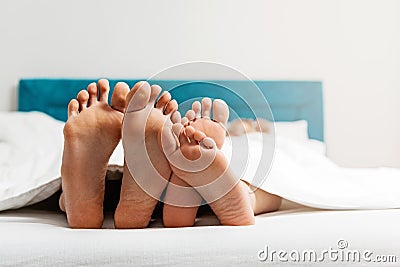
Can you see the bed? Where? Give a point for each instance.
(38, 235)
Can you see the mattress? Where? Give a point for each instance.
(42, 238)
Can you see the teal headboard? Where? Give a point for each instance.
(289, 100)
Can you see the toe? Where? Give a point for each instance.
(176, 117)
(73, 108)
(190, 115)
(163, 100)
(171, 107)
(203, 140)
(104, 88)
(118, 98)
(177, 129)
(155, 91)
(184, 121)
(196, 106)
(92, 90)
(169, 139)
(220, 111)
(190, 133)
(199, 136)
(208, 143)
(138, 97)
(83, 97)
(206, 107)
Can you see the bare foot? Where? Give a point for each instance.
(198, 162)
(143, 123)
(199, 118)
(91, 133)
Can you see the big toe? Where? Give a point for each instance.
(169, 137)
(119, 96)
(138, 97)
(220, 111)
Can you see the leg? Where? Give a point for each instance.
(92, 132)
(262, 201)
(144, 120)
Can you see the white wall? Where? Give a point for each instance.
(353, 46)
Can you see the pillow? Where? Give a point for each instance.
(295, 130)
(298, 131)
(317, 146)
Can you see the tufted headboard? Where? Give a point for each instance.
(289, 100)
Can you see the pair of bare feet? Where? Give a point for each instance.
(172, 144)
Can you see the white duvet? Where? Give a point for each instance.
(301, 174)
(31, 150)
(31, 146)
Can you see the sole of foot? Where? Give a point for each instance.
(196, 160)
(199, 117)
(146, 170)
(91, 133)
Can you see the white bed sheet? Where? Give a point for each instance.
(42, 238)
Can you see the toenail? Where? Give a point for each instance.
(166, 106)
